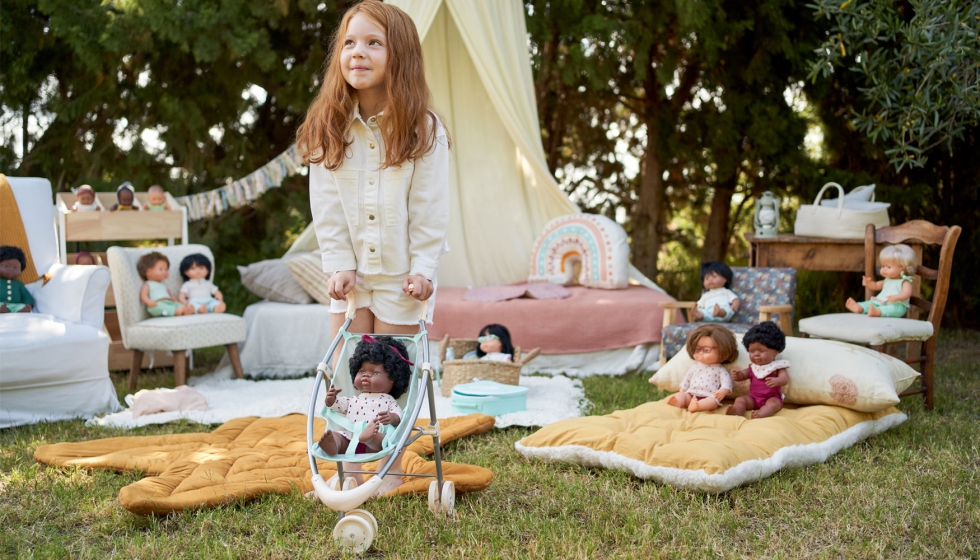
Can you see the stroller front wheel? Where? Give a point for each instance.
(355, 533)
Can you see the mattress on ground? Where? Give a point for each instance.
(243, 459)
(707, 451)
(590, 320)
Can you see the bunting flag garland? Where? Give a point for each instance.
(238, 193)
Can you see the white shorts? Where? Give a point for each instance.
(383, 295)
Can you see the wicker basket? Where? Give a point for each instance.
(456, 372)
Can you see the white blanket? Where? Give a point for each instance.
(549, 399)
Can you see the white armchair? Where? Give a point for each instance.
(54, 362)
(141, 333)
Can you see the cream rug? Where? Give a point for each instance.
(549, 399)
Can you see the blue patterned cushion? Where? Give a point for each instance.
(754, 287)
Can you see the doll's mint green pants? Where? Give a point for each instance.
(896, 309)
(164, 308)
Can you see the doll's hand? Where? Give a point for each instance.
(27, 308)
(772, 382)
(865, 280)
(696, 315)
(151, 304)
(389, 418)
(341, 283)
(720, 394)
(332, 393)
(3, 308)
(417, 286)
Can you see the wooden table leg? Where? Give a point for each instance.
(180, 367)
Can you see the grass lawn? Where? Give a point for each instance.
(911, 492)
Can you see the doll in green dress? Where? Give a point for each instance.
(14, 297)
(898, 266)
(154, 268)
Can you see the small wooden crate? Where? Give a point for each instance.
(458, 371)
(115, 226)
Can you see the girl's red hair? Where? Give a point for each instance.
(408, 124)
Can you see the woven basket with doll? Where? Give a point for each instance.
(490, 357)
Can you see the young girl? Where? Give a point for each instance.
(718, 304)
(707, 382)
(381, 372)
(379, 171)
(767, 375)
(898, 266)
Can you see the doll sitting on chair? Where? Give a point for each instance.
(381, 372)
(154, 268)
(199, 292)
(14, 297)
(898, 266)
(718, 304)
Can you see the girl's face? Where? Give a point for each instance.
(158, 272)
(713, 280)
(489, 343)
(373, 378)
(891, 270)
(196, 272)
(760, 354)
(364, 56)
(706, 351)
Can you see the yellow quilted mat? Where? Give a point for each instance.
(245, 458)
(707, 451)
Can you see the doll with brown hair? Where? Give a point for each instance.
(154, 268)
(14, 297)
(766, 374)
(125, 198)
(898, 266)
(157, 199)
(707, 382)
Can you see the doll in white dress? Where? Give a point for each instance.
(718, 304)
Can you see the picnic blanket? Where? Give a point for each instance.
(243, 459)
(591, 319)
(707, 451)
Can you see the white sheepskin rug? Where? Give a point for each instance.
(549, 399)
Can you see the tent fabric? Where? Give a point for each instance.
(502, 193)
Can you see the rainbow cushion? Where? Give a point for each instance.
(593, 243)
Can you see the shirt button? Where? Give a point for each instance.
(371, 217)
(371, 182)
(371, 249)
(371, 145)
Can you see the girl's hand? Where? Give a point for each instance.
(332, 393)
(341, 283)
(419, 287)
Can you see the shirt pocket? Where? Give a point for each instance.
(397, 183)
(349, 188)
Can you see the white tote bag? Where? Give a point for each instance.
(840, 222)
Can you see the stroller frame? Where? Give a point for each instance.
(342, 494)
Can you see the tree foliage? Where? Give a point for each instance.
(919, 68)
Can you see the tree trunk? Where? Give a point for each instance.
(648, 210)
(23, 139)
(716, 238)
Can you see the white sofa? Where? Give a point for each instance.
(54, 362)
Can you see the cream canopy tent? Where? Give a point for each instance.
(501, 191)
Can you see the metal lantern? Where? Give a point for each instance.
(766, 215)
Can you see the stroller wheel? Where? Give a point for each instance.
(355, 533)
(334, 483)
(365, 514)
(434, 505)
(448, 497)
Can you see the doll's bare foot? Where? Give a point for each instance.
(853, 306)
(203, 308)
(680, 400)
(220, 308)
(737, 409)
(327, 443)
(693, 407)
(719, 312)
(873, 311)
(696, 315)
(370, 431)
(771, 407)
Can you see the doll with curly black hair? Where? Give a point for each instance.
(14, 297)
(767, 375)
(382, 372)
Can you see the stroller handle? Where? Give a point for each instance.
(352, 307)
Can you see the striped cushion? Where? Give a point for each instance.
(272, 280)
(307, 269)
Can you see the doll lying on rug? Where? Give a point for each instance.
(708, 381)
(154, 268)
(718, 304)
(898, 266)
(198, 292)
(14, 297)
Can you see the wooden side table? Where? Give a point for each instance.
(806, 253)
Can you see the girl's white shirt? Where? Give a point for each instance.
(390, 221)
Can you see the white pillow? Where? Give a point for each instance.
(271, 280)
(821, 372)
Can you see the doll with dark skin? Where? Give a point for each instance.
(707, 382)
(767, 374)
(14, 297)
(381, 372)
(717, 303)
(125, 198)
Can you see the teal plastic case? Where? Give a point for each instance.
(488, 397)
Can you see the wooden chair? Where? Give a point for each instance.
(765, 294)
(881, 332)
(141, 333)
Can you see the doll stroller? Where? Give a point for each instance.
(356, 528)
